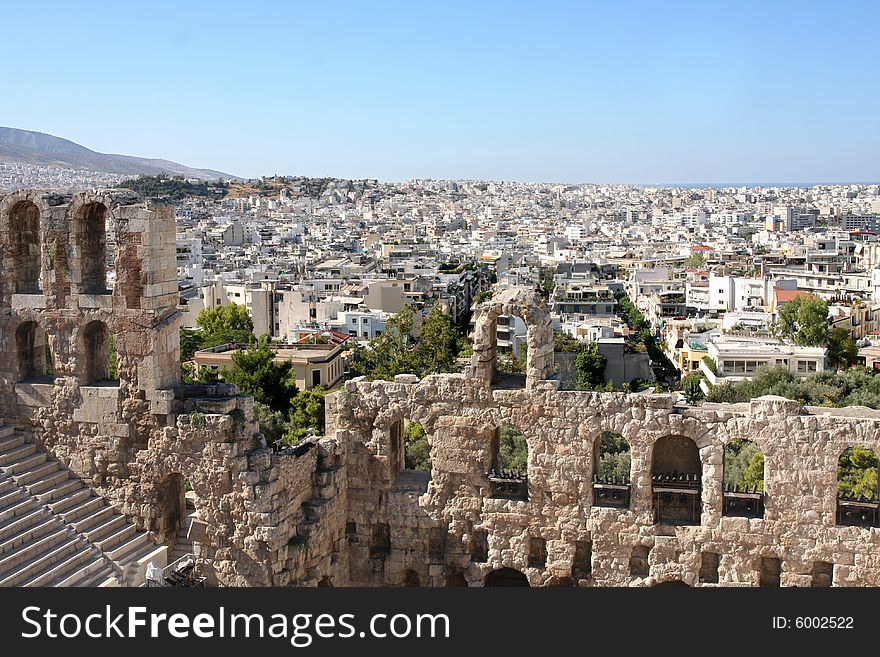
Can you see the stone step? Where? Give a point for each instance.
(34, 549)
(124, 533)
(10, 497)
(86, 506)
(65, 563)
(11, 441)
(27, 529)
(6, 431)
(66, 496)
(129, 549)
(16, 509)
(35, 474)
(20, 524)
(99, 577)
(6, 484)
(99, 568)
(48, 482)
(93, 519)
(22, 460)
(104, 528)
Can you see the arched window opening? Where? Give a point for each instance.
(611, 471)
(24, 238)
(857, 498)
(671, 584)
(638, 561)
(508, 477)
(171, 499)
(456, 579)
(743, 479)
(770, 573)
(99, 354)
(506, 577)
(412, 579)
(822, 575)
(413, 458)
(676, 479)
(417, 456)
(512, 352)
(91, 240)
(35, 362)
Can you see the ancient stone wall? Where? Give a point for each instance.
(341, 510)
(460, 415)
(143, 439)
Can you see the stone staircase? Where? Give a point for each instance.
(56, 531)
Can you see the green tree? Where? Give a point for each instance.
(710, 364)
(690, 386)
(438, 343)
(513, 450)
(590, 368)
(391, 352)
(273, 424)
(805, 321)
(565, 342)
(613, 457)
(396, 351)
(417, 451)
(857, 473)
(306, 415)
(229, 324)
(190, 343)
(842, 349)
(743, 464)
(695, 260)
(256, 373)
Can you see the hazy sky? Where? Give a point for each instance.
(617, 91)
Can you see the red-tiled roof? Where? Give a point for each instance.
(783, 296)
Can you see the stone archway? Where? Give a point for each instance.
(506, 577)
(531, 307)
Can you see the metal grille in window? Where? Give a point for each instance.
(743, 502)
(677, 497)
(611, 491)
(858, 511)
(508, 485)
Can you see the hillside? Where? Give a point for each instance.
(29, 147)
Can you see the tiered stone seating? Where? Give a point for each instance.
(56, 531)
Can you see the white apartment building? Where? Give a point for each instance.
(737, 358)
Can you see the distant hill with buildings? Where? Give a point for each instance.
(37, 148)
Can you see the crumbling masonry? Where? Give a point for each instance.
(342, 510)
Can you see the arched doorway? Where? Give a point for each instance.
(506, 577)
(671, 584)
(91, 239)
(24, 238)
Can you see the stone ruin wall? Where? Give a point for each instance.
(140, 440)
(336, 511)
(460, 415)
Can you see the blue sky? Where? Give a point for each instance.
(629, 92)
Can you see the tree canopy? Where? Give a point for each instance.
(513, 451)
(613, 457)
(224, 325)
(396, 351)
(590, 368)
(842, 349)
(743, 464)
(804, 320)
(256, 373)
(857, 473)
(856, 386)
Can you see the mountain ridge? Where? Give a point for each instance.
(39, 148)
